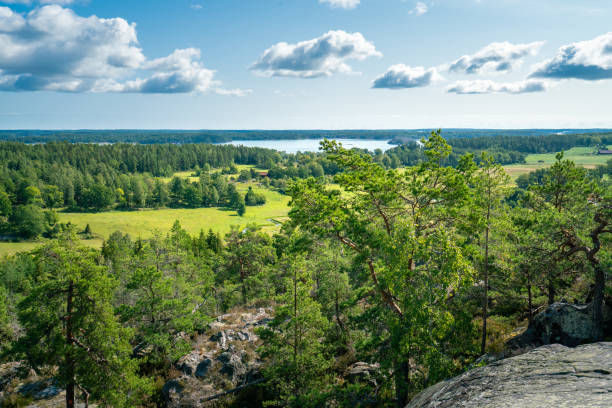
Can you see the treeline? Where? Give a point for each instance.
(108, 160)
(25, 217)
(192, 136)
(417, 272)
(126, 177)
(397, 136)
(505, 149)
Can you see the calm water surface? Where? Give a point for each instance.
(312, 145)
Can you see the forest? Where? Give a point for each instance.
(416, 261)
(397, 136)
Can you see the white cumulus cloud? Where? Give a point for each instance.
(322, 56)
(402, 76)
(28, 2)
(180, 72)
(345, 4)
(233, 92)
(51, 48)
(419, 9)
(588, 60)
(496, 57)
(488, 86)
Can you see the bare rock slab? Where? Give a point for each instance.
(551, 376)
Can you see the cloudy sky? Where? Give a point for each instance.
(303, 64)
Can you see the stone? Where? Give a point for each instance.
(221, 338)
(49, 392)
(551, 376)
(233, 366)
(222, 358)
(188, 363)
(171, 392)
(561, 323)
(203, 367)
(361, 372)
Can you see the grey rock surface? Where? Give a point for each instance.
(361, 372)
(222, 358)
(562, 323)
(552, 376)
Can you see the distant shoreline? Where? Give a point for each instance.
(141, 136)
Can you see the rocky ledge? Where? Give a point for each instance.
(551, 376)
(223, 361)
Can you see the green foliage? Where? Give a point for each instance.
(6, 331)
(5, 204)
(29, 221)
(68, 322)
(297, 360)
(400, 227)
(252, 198)
(249, 253)
(52, 196)
(167, 295)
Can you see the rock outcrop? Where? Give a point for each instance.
(21, 386)
(552, 376)
(561, 323)
(223, 359)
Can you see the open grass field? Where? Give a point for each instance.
(145, 223)
(9, 248)
(189, 173)
(582, 156)
(579, 155)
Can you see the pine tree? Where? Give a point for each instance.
(68, 322)
(293, 341)
(248, 251)
(489, 185)
(400, 227)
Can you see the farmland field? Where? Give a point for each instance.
(582, 156)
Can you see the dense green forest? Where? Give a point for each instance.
(419, 265)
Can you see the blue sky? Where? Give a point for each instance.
(303, 64)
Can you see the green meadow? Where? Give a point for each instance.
(145, 223)
(582, 156)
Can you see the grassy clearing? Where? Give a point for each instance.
(579, 155)
(582, 156)
(189, 173)
(146, 222)
(9, 248)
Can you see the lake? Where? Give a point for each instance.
(312, 145)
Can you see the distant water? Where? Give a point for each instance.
(312, 145)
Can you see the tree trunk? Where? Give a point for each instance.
(530, 301)
(402, 381)
(600, 283)
(551, 291)
(295, 335)
(243, 281)
(337, 312)
(69, 340)
(485, 298)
